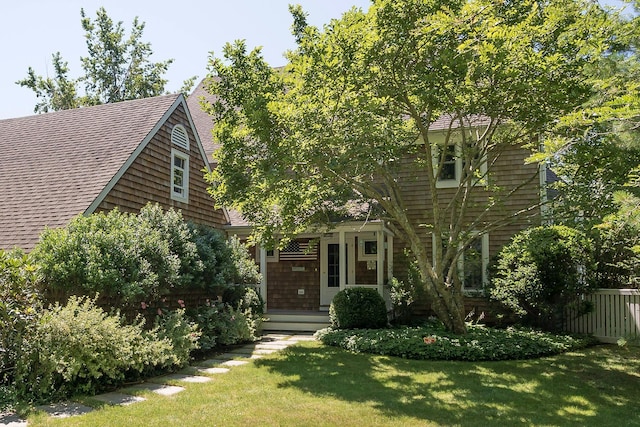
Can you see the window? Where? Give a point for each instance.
(448, 171)
(272, 255)
(453, 159)
(180, 137)
(367, 250)
(451, 166)
(179, 176)
(472, 264)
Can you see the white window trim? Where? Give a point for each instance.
(185, 177)
(453, 183)
(180, 137)
(460, 263)
(448, 183)
(273, 257)
(363, 238)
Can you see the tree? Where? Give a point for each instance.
(357, 102)
(595, 149)
(117, 68)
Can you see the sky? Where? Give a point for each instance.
(184, 30)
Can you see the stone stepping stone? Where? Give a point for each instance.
(235, 363)
(272, 346)
(273, 337)
(63, 409)
(226, 356)
(185, 378)
(118, 398)
(161, 389)
(242, 350)
(212, 362)
(302, 338)
(12, 420)
(213, 370)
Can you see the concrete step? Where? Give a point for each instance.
(301, 322)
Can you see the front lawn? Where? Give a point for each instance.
(314, 385)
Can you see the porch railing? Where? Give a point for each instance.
(615, 315)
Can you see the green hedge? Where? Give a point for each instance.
(358, 308)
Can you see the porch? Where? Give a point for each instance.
(299, 281)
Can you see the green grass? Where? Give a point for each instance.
(315, 385)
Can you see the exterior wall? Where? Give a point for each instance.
(508, 173)
(148, 179)
(364, 276)
(283, 285)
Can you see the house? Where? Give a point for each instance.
(58, 165)
(300, 280)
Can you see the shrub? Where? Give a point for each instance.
(541, 272)
(246, 271)
(227, 323)
(358, 308)
(183, 335)
(20, 305)
(78, 348)
(215, 255)
(618, 245)
(433, 342)
(114, 254)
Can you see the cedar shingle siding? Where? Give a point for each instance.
(57, 165)
(148, 179)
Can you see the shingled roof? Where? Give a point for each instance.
(54, 166)
(202, 120)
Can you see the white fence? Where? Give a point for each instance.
(615, 314)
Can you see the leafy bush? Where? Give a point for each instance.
(246, 271)
(183, 335)
(218, 267)
(78, 348)
(618, 245)
(435, 343)
(227, 323)
(358, 308)
(541, 272)
(130, 258)
(20, 304)
(116, 254)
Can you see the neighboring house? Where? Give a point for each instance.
(123, 155)
(299, 281)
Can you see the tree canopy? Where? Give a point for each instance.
(117, 68)
(595, 149)
(358, 103)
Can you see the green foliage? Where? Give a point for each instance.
(246, 270)
(131, 258)
(218, 266)
(183, 335)
(20, 305)
(542, 272)
(224, 323)
(403, 293)
(618, 245)
(358, 103)
(358, 308)
(121, 256)
(78, 348)
(117, 68)
(433, 342)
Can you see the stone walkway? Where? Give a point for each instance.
(222, 363)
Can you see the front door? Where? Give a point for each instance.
(330, 267)
(330, 271)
